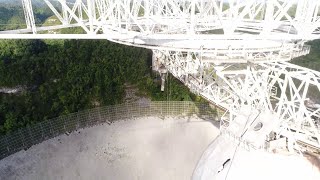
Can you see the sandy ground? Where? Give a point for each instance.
(146, 148)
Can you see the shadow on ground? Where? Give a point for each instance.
(314, 159)
(206, 113)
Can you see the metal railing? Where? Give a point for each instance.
(31, 135)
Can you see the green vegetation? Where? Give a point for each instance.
(58, 77)
(12, 17)
(68, 76)
(312, 60)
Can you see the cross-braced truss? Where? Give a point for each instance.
(289, 92)
(234, 53)
(148, 21)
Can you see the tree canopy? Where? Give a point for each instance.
(61, 77)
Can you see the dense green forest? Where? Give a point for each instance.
(68, 76)
(63, 76)
(57, 77)
(11, 16)
(312, 60)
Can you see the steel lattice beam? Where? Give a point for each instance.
(254, 18)
(232, 52)
(287, 91)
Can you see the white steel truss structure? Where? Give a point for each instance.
(234, 53)
(289, 92)
(148, 21)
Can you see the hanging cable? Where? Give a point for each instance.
(170, 85)
(167, 87)
(243, 132)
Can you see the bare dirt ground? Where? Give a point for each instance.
(145, 148)
(132, 95)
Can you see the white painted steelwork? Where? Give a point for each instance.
(137, 21)
(234, 53)
(289, 92)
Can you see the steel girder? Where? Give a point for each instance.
(197, 19)
(289, 92)
(232, 52)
